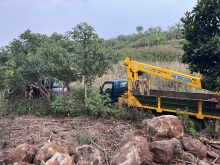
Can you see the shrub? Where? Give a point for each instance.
(209, 130)
(66, 106)
(188, 125)
(82, 136)
(134, 114)
(21, 106)
(97, 104)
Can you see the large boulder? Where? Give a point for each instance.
(193, 146)
(87, 154)
(164, 127)
(48, 150)
(162, 151)
(60, 159)
(22, 153)
(135, 152)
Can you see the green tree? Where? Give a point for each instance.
(139, 29)
(122, 37)
(179, 26)
(202, 47)
(91, 58)
(31, 57)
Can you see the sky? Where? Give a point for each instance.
(110, 18)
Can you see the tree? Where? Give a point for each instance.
(31, 57)
(122, 37)
(202, 49)
(91, 58)
(139, 29)
(179, 26)
(172, 31)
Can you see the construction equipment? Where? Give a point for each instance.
(199, 105)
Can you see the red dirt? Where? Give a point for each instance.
(38, 130)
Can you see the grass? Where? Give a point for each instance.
(119, 72)
(155, 53)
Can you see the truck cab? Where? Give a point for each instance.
(115, 88)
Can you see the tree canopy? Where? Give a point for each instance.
(91, 58)
(202, 49)
(139, 29)
(31, 57)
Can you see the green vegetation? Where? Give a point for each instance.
(90, 58)
(82, 136)
(154, 44)
(188, 125)
(27, 60)
(202, 47)
(66, 106)
(152, 54)
(98, 104)
(154, 36)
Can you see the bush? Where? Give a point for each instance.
(21, 106)
(97, 104)
(134, 114)
(188, 125)
(209, 130)
(66, 106)
(82, 136)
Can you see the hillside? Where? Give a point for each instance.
(154, 44)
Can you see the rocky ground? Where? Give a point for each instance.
(36, 140)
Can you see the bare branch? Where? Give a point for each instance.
(11, 91)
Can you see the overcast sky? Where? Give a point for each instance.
(110, 18)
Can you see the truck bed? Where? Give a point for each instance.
(172, 100)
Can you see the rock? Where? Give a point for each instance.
(87, 154)
(176, 145)
(193, 146)
(22, 153)
(202, 163)
(22, 163)
(135, 152)
(48, 150)
(164, 127)
(178, 148)
(162, 150)
(212, 154)
(189, 157)
(60, 159)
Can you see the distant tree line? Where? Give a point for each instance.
(150, 37)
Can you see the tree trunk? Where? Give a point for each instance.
(31, 91)
(85, 86)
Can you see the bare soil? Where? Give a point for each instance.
(38, 131)
(103, 134)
